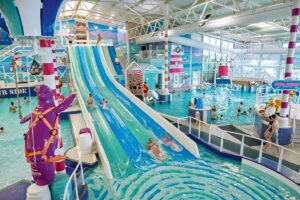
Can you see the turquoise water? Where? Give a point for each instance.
(12, 157)
(226, 105)
(209, 177)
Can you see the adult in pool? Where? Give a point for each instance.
(1, 129)
(153, 147)
(12, 107)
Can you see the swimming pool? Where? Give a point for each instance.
(13, 164)
(220, 97)
(209, 177)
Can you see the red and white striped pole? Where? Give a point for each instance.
(57, 90)
(284, 112)
(166, 66)
(49, 80)
(47, 64)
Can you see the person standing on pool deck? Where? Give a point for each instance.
(272, 131)
(146, 88)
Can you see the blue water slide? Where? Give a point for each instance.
(136, 152)
(48, 16)
(112, 52)
(147, 121)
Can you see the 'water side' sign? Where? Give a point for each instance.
(286, 84)
(12, 92)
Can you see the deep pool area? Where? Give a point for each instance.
(13, 163)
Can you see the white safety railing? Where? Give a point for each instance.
(90, 124)
(76, 180)
(104, 42)
(236, 143)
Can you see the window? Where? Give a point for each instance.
(230, 45)
(225, 44)
(218, 42)
(212, 41)
(205, 39)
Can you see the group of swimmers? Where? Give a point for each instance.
(13, 107)
(90, 101)
(245, 112)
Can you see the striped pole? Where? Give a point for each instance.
(166, 67)
(47, 64)
(57, 92)
(284, 112)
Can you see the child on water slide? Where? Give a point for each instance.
(154, 149)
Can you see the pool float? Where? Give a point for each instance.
(41, 139)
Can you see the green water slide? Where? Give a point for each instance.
(12, 17)
(116, 156)
(140, 133)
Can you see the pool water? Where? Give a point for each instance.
(225, 103)
(13, 165)
(209, 177)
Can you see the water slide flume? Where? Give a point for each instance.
(111, 154)
(130, 133)
(150, 117)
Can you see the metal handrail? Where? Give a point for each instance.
(216, 131)
(74, 176)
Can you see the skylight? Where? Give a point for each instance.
(261, 25)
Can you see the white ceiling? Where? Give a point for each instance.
(134, 13)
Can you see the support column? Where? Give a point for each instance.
(191, 65)
(290, 60)
(166, 56)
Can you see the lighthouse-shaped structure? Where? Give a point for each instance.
(176, 71)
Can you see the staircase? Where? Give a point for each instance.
(122, 59)
(296, 136)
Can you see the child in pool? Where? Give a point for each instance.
(221, 117)
(26, 100)
(168, 141)
(12, 107)
(1, 129)
(244, 113)
(104, 103)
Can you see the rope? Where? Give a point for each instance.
(17, 89)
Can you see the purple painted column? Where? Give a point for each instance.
(284, 112)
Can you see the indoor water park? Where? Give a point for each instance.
(154, 100)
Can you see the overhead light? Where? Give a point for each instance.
(97, 17)
(110, 28)
(96, 27)
(261, 25)
(124, 27)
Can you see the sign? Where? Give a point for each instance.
(286, 84)
(12, 92)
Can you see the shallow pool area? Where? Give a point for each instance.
(13, 163)
(209, 177)
(220, 97)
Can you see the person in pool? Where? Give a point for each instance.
(90, 100)
(26, 100)
(221, 117)
(153, 147)
(244, 113)
(12, 107)
(1, 129)
(214, 113)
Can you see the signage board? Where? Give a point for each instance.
(286, 84)
(12, 92)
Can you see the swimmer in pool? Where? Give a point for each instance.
(12, 107)
(221, 117)
(244, 113)
(1, 129)
(153, 147)
(26, 100)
